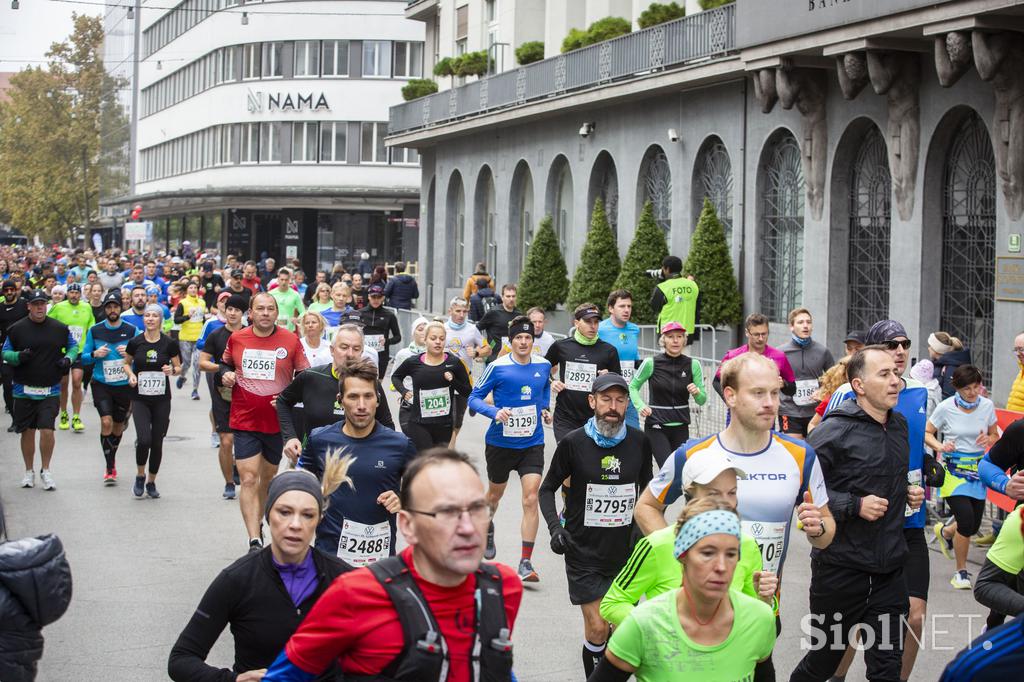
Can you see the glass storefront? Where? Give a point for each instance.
(343, 235)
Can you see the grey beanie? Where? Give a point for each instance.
(293, 479)
(884, 330)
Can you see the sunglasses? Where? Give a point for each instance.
(893, 345)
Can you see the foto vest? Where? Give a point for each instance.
(680, 302)
(1016, 400)
(192, 328)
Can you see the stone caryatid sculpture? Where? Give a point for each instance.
(805, 89)
(897, 75)
(953, 57)
(764, 89)
(999, 58)
(852, 68)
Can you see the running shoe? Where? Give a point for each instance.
(945, 545)
(195, 394)
(490, 551)
(47, 478)
(214, 441)
(109, 477)
(961, 580)
(76, 424)
(64, 422)
(180, 382)
(113, 472)
(255, 545)
(985, 540)
(30, 480)
(526, 572)
(140, 486)
(229, 491)
(151, 490)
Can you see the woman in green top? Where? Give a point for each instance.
(703, 630)
(321, 299)
(999, 584)
(652, 569)
(673, 378)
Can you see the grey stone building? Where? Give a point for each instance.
(866, 157)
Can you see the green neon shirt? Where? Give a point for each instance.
(78, 318)
(289, 305)
(653, 641)
(653, 570)
(671, 391)
(1008, 551)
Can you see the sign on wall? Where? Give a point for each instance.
(1010, 278)
(257, 101)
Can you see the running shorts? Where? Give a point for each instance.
(503, 461)
(112, 401)
(794, 426)
(916, 570)
(35, 414)
(251, 443)
(461, 403)
(586, 584)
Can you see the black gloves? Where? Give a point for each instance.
(24, 356)
(64, 363)
(561, 540)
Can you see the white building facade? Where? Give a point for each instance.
(260, 128)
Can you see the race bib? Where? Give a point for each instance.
(196, 315)
(522, 422)
(913, 478)
(579, 376)
(609, 506)
(435, 402)
(374, 342)
(362, 544)
(627, 367)
(113, 371)
(259, 364)
(37, 391)
(76, 334)
(152, 383)
(770, 538)
(806, 391)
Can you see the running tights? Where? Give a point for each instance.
(426, 436)
(151, 420)
(968, 513)
(190, 359)
(109, 445)
(665, 439)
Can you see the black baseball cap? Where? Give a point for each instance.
(855, 335)
(37, 295)
(112, 296)
(609, 380)
(376, 289)
(588, 313)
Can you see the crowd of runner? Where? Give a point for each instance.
(299, 372)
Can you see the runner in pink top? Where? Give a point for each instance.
(756, 327)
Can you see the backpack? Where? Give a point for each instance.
(488, 303)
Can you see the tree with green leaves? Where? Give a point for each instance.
(710, 263)
(599, 262)
(418, 87)
(50, 136)
(712, 4)
(530, 52)
(657, 13)
(646, 252)
(544, 281)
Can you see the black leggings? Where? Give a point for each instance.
(665, 439)
(426, 436)
(151, 420)
(968, 513)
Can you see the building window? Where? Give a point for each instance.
(870, 210)
(270, 142)
(251, 61)
(408, 60)
(373, 149)
(461, 22)
(304, 142)
(272, 60)
(714, 181)
(376, 59)
(335, 58)
(490, 10)
(307, 58)
(782, 230)
(227, 136)
(250, 143)
(333, 148)
(656, 187)
(405, 157)
(227, 64)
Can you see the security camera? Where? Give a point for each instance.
(673, 135)
(586, 129)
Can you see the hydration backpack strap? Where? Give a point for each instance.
(492, 649)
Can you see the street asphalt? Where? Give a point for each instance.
(141, 566)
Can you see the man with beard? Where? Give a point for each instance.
(609, 463)
(78, 317)
(134, 315)
(12, 309)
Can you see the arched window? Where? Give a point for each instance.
(520, 218)
(782, 228)
(604, 185)
(967, 309)
(870, 210)
(560, 202)
(656, 187)
(456, 229)
(485, 247)
(714, 181)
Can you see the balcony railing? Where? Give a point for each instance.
(697, 37)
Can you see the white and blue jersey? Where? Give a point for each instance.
(522, 389)
(913, 405)
(212, 325)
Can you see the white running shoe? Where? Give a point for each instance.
(30, 480)
(961, 580)
(214, 440)
(47, 478)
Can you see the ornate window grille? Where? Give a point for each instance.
(870, 210)
(457, 224)
(608, 191)
(782, 230)
(657, 188)
(715, 178)
(969, 242)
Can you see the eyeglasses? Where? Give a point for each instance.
(1018, 351)
(893, 345)
(478, 511)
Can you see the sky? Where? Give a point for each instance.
(26, 33)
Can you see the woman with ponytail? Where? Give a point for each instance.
(947, 353)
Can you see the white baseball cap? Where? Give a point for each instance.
(702, 467)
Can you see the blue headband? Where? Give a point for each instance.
(705, 524)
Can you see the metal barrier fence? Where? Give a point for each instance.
(697, 37)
